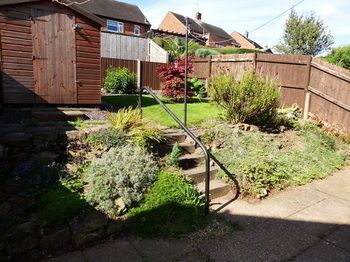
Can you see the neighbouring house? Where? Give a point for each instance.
(119, 17)
(175, 24)
(245, 42)
(50, 53)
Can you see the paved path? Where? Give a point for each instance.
(309, 223)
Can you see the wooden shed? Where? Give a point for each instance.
(50, 53)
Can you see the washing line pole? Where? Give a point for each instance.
(186, 72)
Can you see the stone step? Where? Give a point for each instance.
(218, 188)
(186, 147)
(197, 174)
(59, 115)
(188, 161)
(175, 137)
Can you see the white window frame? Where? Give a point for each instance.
(137, 30)
(117, 24)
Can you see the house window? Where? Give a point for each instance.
(115, 26)
(218, 46)
(137, 30)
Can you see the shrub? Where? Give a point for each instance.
(60, 204)
(146, 136)
(253, 99)
(172, 207)
(340, 56)
(119, 81)
(204, 52)
(173, 77)
(120, 178)
(106, 137)
(125, 118)
(198, 87)
(235, 50)
(173, 159)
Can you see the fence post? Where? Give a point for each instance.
(254, 62)
(139, 84)
(139, 73)
(307, 94)
(209, 73)
(307, 105)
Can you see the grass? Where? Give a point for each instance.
(172, 207)
(60, 204)
(198, 111)
(262, 162)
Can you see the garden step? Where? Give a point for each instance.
(175, 137)
(218, 188)
(188, 161)
(186, 147)
(58, 115)
(197, 174)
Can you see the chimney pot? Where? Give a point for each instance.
(246, 34)
(198, 16)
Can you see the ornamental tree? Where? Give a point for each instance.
(173, 77)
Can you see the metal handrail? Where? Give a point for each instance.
(193, 136)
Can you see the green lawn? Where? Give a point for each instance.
(151, 110)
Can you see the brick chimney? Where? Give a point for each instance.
(198, 16)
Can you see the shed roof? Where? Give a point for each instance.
(115, 10)
(75, 7)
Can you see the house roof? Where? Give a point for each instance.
(244, 38)
(200, 27)
(75, 7)
(115, 10)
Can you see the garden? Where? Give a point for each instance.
(125, 177)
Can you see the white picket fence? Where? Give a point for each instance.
(132, 48)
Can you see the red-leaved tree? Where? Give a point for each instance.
(173, 77)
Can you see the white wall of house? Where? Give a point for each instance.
(132, 48)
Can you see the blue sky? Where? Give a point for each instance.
(241, 16)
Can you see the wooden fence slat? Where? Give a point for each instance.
(297, 75)
(149, 75)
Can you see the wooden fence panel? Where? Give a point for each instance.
(149, 75)
(330, 93)
(124, 47)
(328, 84)
(201, 68)
(235, 64)
(112, 62)
(290, 71)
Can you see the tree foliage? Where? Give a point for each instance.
(173, 77)
(305, 35)
(176, 46)
(340, 56)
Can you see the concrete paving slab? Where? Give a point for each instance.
(324, 252)
(337, 185)
(323, 217)
(341, 237)
(280, 205)
(117, 250)
(70, 257)
(160, 250)
(244, 213)
(192, 257)
(274, 240)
